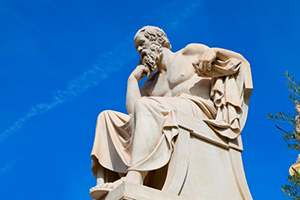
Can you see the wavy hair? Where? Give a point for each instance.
(155, 35)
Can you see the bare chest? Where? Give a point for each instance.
(179, 78)
(179, 71)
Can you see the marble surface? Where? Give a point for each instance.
(181, 135)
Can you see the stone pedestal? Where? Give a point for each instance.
(130, 191)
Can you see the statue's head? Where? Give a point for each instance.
(149, 42)
(155, 35)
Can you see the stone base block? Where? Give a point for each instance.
(130, 191)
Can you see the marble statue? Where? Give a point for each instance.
(181, 135)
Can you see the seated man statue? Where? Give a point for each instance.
(193, 81)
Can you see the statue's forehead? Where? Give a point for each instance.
(138, 38)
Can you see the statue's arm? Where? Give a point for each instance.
(133, 90)
(200, 55)
(224, 62)
(225, 54)
(199, 52)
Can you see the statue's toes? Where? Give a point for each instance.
(109, 185)
(97, 187)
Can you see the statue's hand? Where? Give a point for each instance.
(204, 63)
(140, 72)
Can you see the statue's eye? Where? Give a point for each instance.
(141, 42)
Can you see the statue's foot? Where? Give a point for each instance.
(100, 191)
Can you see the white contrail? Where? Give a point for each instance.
(106, 64)
(8, 167)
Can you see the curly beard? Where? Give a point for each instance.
(152, 57)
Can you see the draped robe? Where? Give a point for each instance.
(144, 141)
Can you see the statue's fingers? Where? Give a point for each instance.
(205, 65)
(196, 66)
(200, 66)
(148, 73)
(198, 70)
(208, 66)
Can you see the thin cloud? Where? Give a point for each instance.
(105, 65)
(8, 167)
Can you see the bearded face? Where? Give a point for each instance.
(151, 56)
(150, 51)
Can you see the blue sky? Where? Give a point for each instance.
(63, 62)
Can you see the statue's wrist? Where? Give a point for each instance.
(132, 78)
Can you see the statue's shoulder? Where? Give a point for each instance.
(194, 49)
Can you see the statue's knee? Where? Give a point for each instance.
(103, 114)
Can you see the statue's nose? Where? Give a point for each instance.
(140, 49)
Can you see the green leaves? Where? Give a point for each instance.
(292, 138)
(283, 117)
(293, 189)
(294, 87)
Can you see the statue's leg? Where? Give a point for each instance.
(102, 187)
(100, 176)
(137, 177)
(151, 142)
(109, 157)
(105, 177)
(109, 150)
(149, 118)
